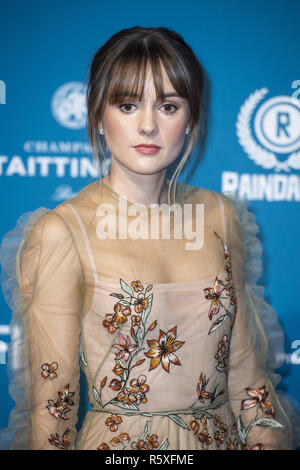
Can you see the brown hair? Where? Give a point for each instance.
(118, 69)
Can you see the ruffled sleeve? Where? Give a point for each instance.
(42, 283)
(266, 418)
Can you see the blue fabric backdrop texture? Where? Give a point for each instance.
(250, 52)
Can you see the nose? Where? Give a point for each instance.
(147, 123)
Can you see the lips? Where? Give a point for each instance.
(150, 146)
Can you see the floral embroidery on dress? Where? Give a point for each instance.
(147, 441)
(222, 354)
(201, 390)
(113, 422)
(222, 289)
(205, 437)
(162, 350)
(132, 391)
(60, 443)
(258, 399)
(123, 309)
(125, 347)
(48, 370)
(60, 408)
(258, 396)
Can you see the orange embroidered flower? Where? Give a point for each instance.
(194, 426)
(140, 388)
(121, 313)
(115, 441)
(258, 396)
(224, 429)
(66, 396)
(135, 320)
(201, 388)
(113, 422)
(139, 385)
(219, 423)
(217, 420)
(110, 323)
(125, 347)
(205, 437)
(215, 293)
(140, 303)
(103, 446)
(139, 445)
(218, 438)
(152, 441)
(118, 369)
(203, 420)
(48, 370)
(137, 286)
(222, 354)
(60, 443)
(162, 350)
(58, 409)
(115, 384)
(103, 382)
(231, 293)
(126, 396)
(153, 325)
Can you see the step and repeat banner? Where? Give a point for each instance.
(250, 53)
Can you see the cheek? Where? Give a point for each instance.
(116, 128)
(174, 135)
(113, 126)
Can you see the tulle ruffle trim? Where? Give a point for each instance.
(267, 332)
(15, 436)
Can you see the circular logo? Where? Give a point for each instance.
(68, 105)
(277, 124)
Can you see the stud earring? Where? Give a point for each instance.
(187, 130)
(101, 131)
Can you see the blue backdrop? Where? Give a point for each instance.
(250, 51)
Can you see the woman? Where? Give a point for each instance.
(167, 326)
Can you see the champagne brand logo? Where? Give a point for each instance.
(68, 105)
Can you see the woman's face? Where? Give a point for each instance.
(133, 123)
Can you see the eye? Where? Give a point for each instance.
(126, 104)
(173, 106)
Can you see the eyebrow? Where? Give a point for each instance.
(165, 95)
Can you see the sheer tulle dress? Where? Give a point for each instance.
(178, 345)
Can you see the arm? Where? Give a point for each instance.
(50, 276)
(260, 417)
